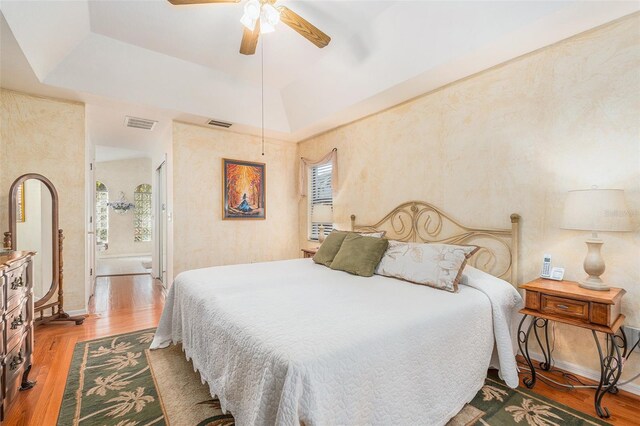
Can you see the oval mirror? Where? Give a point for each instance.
(35, 231)
(33, 218)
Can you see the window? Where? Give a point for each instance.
(142, 213)
(102, 213)
(320, 193)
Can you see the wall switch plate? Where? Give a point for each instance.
(633, 335)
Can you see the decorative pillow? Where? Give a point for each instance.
(329, 248)
(360, 255)
(377, 234)
(436, 265)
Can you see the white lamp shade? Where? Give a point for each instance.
(322, 213)
(596, 210)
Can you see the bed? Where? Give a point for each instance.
(292, 342)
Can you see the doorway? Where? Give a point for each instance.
(123, 212)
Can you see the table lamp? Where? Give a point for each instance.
(595, 210)
(321, 214)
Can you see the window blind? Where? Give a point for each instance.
(320, 192)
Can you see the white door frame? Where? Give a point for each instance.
(161, 221)
(91, 230)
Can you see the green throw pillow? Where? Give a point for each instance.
(329, 248)
(360, 255)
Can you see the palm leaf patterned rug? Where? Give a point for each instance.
(117, 381)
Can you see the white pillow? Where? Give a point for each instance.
(464, 279)
(436, 265)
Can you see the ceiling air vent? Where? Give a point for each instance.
(219, 123)
(139, 123)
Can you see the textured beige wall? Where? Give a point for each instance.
(47, 136)
(125, 176)
(201, 237)
(514, 138)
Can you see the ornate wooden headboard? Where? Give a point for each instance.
(418, 221)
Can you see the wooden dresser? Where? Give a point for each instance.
(16, 305)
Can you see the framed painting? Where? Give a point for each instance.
(20, 214)
(244, 186)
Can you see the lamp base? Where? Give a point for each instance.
(593, 284)
(321, 234)
(594, 266)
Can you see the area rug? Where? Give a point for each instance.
(118, 381)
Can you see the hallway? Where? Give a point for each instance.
(130, 265)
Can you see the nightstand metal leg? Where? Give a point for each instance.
(610, 368)
(619, 339)
(622, 341)
(542, 323)
(523, 344)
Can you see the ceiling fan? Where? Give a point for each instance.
(261, 17)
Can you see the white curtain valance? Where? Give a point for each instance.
(305, 163)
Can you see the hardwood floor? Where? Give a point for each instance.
(122, 304)
(129, 265)
(624, 407)
(128, 303)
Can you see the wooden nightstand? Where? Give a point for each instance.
(568, 303)
(307, 253)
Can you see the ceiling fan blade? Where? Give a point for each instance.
(250, 40)
(303, 27)
(182, 2)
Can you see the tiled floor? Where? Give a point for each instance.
(123, 265)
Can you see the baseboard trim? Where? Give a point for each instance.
(113, 256)
(585, 372)
(77, 312)
(123, 275)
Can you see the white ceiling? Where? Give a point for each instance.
(183, 62)
(105, 127)
(109, 153)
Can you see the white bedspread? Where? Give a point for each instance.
(291, 341)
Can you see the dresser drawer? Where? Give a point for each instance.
(17, 285)
(565, 307)
(15, 362)
(2, 279)
(3, 410)
(17, 321)
(2, 345)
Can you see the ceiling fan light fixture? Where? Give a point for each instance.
(248, 22)
(269, 18)
(251, 14)
(271, 14)
(266, 27)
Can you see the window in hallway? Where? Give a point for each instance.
(142, 213)
(102, 213)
